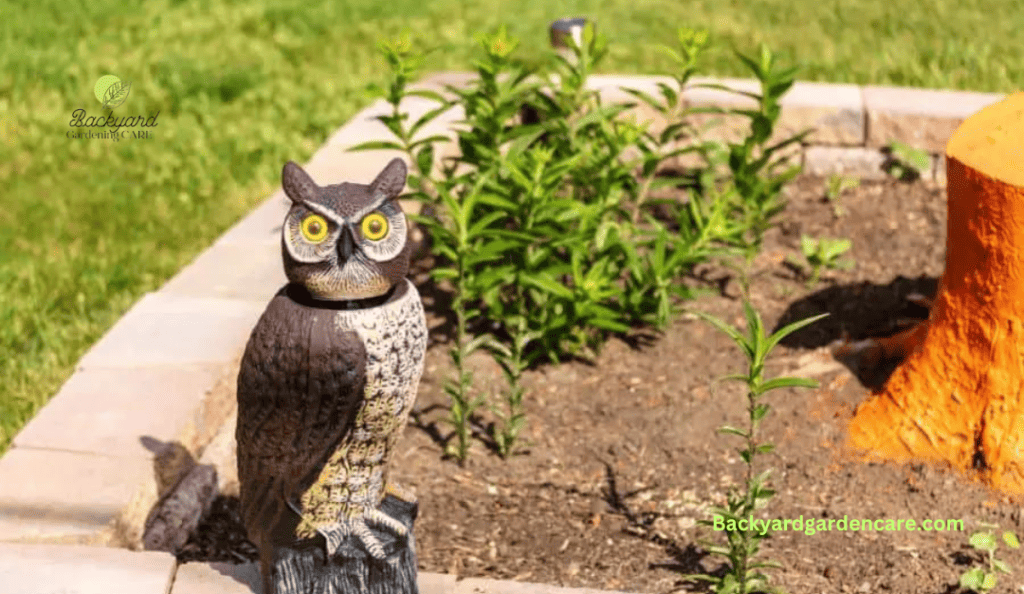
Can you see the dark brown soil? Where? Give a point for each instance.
(623, 456)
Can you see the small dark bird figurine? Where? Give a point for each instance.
(326, 385)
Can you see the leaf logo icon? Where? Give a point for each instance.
(111, 91)
(116, 94)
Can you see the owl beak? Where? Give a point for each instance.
(346, 244)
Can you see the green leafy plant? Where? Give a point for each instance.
(673, 139)
(405, 64)
(758, 168)
(745, 573)
(513, 361)
(819, 254)
(463, 234)
(906, 163)
(834, 188)
(983, 579)
(704, 225)
(545, 229)
(463, 246)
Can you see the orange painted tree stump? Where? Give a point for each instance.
(958, 397)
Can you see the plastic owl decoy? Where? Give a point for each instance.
(326, 384)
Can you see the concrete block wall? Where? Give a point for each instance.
(852, 125)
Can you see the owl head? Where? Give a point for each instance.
(346, 241)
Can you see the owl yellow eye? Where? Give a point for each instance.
(314, 228)
(375, 226)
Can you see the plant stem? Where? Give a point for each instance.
(462, 406)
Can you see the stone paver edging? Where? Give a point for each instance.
(85, 470)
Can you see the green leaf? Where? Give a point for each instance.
(426, 94)
(598, 115)
(763, 477)
(791, 328)
(836, 247)
(808, 245)
(431, 139)
(393, 122)
(425, 159)
(546, 284)
(988, 582)
(529, 135)
(786, 382)
(754, 67)
(740, 377)
(975, 579)
(611, 325)
(767, 564)
(376, 145)
(729, 429)
(480, 227)
(983, 541)
(736, 337)
(703, 577)
(499, 349)
(478, 342)
(760, 128)
(444, 273)
(490, 251)
(1001, 566)
(498, 202)
(778, 89)
(729, 585)
(426, 118)
(755, 332)
(1011, 540)
(671, 95)
(645, 97)
(914, 157)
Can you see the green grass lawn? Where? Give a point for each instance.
(88, 225)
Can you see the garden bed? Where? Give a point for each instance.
(623, 457)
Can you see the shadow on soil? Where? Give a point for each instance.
(685, 560)
(859, 311)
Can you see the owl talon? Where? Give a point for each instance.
(382, 519)
(358, 526)
(335, 536)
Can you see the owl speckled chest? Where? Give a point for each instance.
(394, 338)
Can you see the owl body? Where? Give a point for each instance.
(331, 370)
(394, 337)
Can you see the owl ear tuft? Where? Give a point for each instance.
(391, 181)
(296, 183)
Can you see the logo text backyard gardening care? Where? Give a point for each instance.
(111, 92)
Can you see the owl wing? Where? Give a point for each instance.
(300, 385)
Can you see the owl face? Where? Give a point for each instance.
(346, 241)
